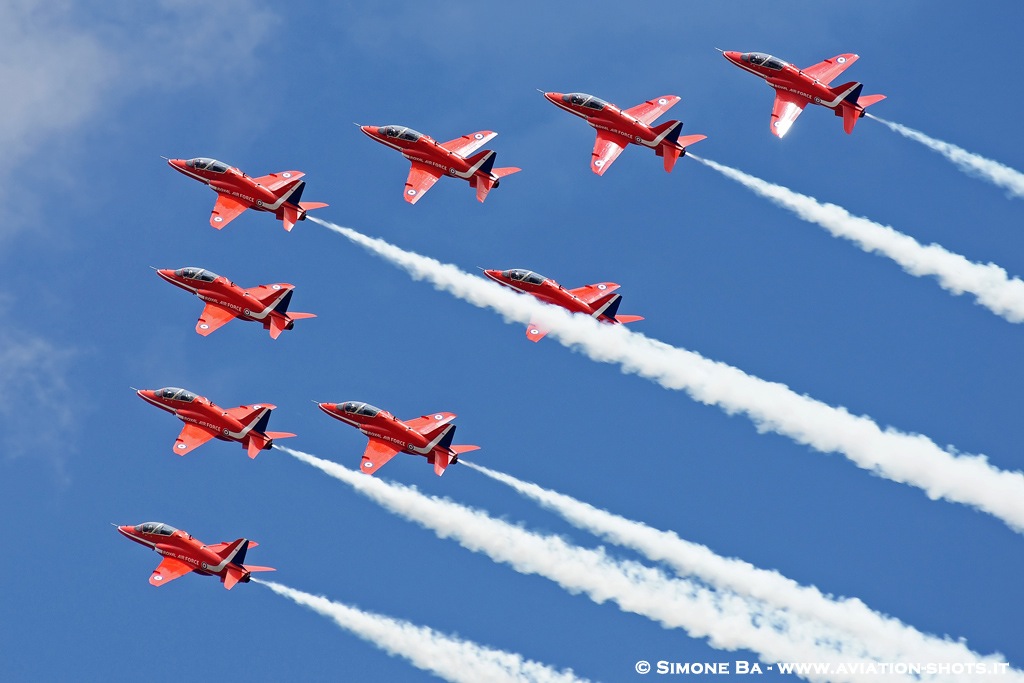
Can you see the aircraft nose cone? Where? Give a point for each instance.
(732, 55)
(165, 273)
(125, 530)
(553, 96)
(493, 274)
(328, 407)
(370, 130)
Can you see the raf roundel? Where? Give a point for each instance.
(287, 175)
(204, 326)
(439, 416)
(479, 136)
(276, 287)
(841, 60)
(367, 465)
(602, 286)
(599, 162)
(217, 219)
(411, 193)
(158, 577)
(662, 101)
(181, 445)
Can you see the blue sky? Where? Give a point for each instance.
(95, 96)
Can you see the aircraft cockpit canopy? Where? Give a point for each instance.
(204, 164)
(359, 408)
(527, 276)
(402, 133)
(582, 99)
(761, 59)
(155, 528)
(176, 394)
(200, 274)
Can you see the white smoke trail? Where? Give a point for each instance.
(451, 658)
(906, 458)
(990, 284)
(886, 637)
(972, 164)
(728, 621)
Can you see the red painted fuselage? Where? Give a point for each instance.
(429, 436)
(277, 193)
(225, 301)
(205, 420)
(617, 128)
(432, 160)
(795, 88)
(183, 554)
(598, 300)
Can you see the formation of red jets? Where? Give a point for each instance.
(429, 436)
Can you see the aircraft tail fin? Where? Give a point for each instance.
(668, 131)
(234, 551)
(482, 161)
(607, 305)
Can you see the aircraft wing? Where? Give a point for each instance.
(787, 107)
(591, 293)
(168, 570)
(421, 178)
(468, 144)
(427, 423)
(377, 453)
(275, 181)
(212, 318)
(226, 210)
(192, 436)
(535, 332)
(825, 72)
(607, 149)
(652, 109)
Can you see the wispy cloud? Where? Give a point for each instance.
(34, 408)
(728, 621)
(911, 459)
(60, 64)
(451, 658)
(885, 637)
(970, 163)
(990, 284)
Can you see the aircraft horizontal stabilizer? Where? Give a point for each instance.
(687, 140)
(628, 318)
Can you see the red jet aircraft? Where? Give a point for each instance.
(183, 554)
(225, 301)
(278, 193)
(205, 420)
(597, 301)
(432, 160)
(796, 88)
(617, 128)
(430, 436)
